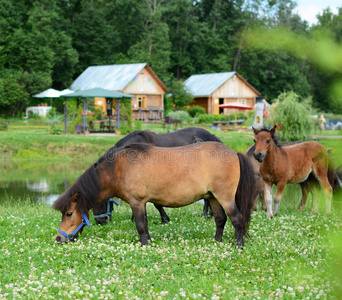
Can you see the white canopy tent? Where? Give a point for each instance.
(52, 93)
(66, 91)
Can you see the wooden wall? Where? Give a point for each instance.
(143, 85)
(234, 89)
(203, 102)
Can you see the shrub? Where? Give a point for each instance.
(55, 130)
(196, 110)
(125, 129)
(208, 119)
(242, 116)
(293, 115)
(137, 125)
(179, 115)
(3, 126)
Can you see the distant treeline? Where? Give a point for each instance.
(48, 43)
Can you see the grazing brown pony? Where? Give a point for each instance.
(171, 177)
(299, 163)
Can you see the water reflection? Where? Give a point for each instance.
(41, 186)
(43, 182)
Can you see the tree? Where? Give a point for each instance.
(319, 49)
(181, 98)
(94, 38)
(35, 49)
(154, 46)
(278, 72)
(182, 24)
(13, 92)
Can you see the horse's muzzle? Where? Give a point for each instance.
(61, 239)
(260, 156)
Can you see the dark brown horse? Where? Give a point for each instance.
(298, 163)
(171, 177)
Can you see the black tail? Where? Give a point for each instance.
(245, 191)
(334, 174)
(335, 178)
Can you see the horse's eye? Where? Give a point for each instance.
(254, 141)
(69, 214)
(268, 141)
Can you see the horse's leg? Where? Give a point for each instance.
(263, 202)
(305, 186)
(315, 198)
(139, 213)
(321, 175)
(220, 218)
(146, 226)
(268, 199)
(207, 210)
(262, 196)
(277, 196)
(236, 219)
(259, 192)
(164, 217)
(255, 202)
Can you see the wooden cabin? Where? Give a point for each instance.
(211, 90)
(135, 79)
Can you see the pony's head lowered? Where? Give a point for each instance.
(263, 138)
(75, 204)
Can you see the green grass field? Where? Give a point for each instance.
(296, 255)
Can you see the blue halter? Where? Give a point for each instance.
(108, 213)
(71, 236)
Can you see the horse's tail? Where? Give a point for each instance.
(332, 173)
(245, 191)
(337, 179)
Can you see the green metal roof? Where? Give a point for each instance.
(98, 92)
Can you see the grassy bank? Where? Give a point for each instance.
(35, 142)
(39, 144)
(295, 255)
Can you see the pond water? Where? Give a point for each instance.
(42, 182)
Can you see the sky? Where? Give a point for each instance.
(308, 9)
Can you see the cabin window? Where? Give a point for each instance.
(141, 102)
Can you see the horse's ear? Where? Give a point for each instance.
(256, 131)
(75, 197)
(273, 130)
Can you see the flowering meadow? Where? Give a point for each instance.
(294, 255)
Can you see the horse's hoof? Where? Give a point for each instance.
(239, 245)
